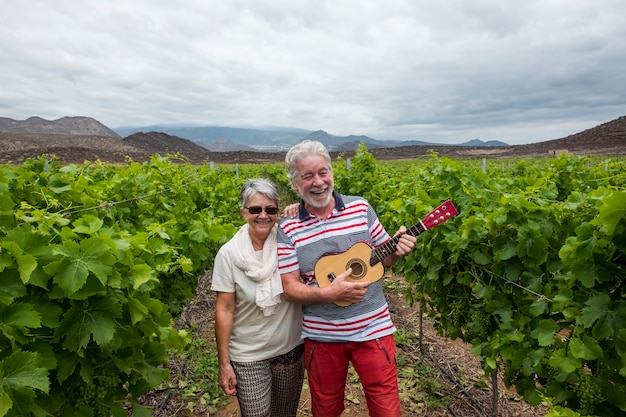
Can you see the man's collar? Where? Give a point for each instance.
(303, 214)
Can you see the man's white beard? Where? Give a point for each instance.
(318, 203)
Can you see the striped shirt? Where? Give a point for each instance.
(305, 239)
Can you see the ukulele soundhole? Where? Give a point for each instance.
(358, 268)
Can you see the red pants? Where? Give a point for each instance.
(375, 363)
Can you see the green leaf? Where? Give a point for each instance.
(564, 363)
(613, 209)
(17, 320)
(58, 183)
(612, 322)
(596, 308)
(20, 375)
(586, 273)
(5, 261)
(140, 410)
(587, 349)
(504, 248)
(538, 307)
(91, 255)
(12, 287)
(5, 402)
(95, 319)
(586, 242)
(20, 315)
(66, 366)
(25, 369)
(216, 232)
(480, 257)
(70, 273)
(88, 224)
(92, 287)
(142, 274)
(483, 291)
(138, 311)
(198, 231)
(545, 331)
(26, 262)
(396, 204)
(531, 245)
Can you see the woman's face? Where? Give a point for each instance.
(262, 223)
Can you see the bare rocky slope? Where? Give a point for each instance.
(65, 125)
(80, 139)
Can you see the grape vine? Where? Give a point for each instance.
(96, 260)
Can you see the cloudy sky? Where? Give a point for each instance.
(439, 70)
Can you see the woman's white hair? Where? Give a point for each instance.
(259, 186)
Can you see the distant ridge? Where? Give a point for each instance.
(222, 139)
(77, 125)
(478, 142)
(162, 143)
(226, 139)
(612, 132)
(77, 145)
(605, 139)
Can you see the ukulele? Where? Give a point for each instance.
(366, 263)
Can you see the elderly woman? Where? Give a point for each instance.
(259, 349)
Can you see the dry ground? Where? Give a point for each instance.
(463, 385)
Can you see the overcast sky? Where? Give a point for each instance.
(442, 70)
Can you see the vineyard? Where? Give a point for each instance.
(97, 261)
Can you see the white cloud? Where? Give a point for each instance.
(402, 69)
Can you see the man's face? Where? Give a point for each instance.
(314, 182)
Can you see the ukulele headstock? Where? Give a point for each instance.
(442, 213)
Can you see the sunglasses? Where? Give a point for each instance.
(258, 209)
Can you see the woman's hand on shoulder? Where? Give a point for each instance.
(291, 211)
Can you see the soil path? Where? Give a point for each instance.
(462, 390)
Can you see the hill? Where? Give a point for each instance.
(225, 139)
(164, 144)
(15, 147)
(220, 138)
(605, 139)
(62, 126)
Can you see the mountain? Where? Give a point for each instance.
(220, 138)
(223, 139)
(74, 147)
(350, 143)
(163, 144)
(72, 141)
(605, 139)
(62, 126)
(223, 145)
(478, 142)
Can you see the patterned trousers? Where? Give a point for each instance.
(271, 387)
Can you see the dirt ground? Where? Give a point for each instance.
(465, 388)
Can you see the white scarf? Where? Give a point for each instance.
(265, 272)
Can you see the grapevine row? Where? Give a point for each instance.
(96, 260)
(530, 273)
